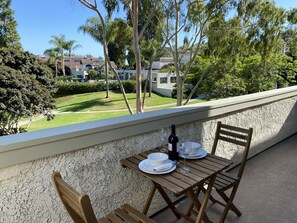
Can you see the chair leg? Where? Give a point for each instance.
(232, 205)
(229, 203)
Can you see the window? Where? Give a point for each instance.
(172, 79)
(163, 80)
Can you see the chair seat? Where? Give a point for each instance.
(224, 181)
(125, 214)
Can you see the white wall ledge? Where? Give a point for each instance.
(15, 149)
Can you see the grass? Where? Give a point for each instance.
(98, 102)
(97, 107)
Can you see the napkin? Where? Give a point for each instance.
(163, 167)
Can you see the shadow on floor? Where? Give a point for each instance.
(267, 192)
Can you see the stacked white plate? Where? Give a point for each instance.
(197, 151)
(167, 167)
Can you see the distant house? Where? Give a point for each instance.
(80, 65)
(162, 83)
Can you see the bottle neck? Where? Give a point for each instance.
(173, 129)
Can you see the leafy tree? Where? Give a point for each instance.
(285, 67)
(191, 18)
(119, 34)
(253, 74)
(265, 30)
(150, 51)
(53, 58)
(26, 88)
(8, 34)
(93, 74)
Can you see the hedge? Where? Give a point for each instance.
(68, 88)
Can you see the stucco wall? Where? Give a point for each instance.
(27, 194)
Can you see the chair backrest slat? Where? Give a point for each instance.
(236, 135)
(234, 128)
(233, 134)
(234, 141)
(78, 206)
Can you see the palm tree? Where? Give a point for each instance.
(53, 57)
(93, 28)
(70, 46)
(59, 43)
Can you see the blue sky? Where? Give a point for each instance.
(39, 20)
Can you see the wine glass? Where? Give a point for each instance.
(163, 137)
(184, 151)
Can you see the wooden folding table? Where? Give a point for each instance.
(182, 183)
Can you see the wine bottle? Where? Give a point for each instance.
(173, 145)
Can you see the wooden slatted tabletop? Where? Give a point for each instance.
(177, 181)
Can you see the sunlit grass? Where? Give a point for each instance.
(98, 102)
(97, 107)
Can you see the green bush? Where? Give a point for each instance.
(68, 88)
(129, 86)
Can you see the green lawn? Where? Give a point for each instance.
(98, 102)
(97, 107)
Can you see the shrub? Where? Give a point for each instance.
(129, 86)
(67, 88)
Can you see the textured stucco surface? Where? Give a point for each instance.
(27, 194)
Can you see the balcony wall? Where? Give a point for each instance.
(88, 154)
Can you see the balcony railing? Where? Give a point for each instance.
(88, 154)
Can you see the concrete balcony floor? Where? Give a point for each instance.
(267, 192)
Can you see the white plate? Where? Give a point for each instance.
(201, 154)
(147, 168)
(195, 145)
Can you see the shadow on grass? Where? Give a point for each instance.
(79, 106)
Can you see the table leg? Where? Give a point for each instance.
(195, 202)
(149, 200)
(205, 199)
(168, 201)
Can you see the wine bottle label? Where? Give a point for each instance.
(169, 146)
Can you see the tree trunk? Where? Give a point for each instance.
(63, 64)
(150, 76)
(119, 80)
(139, 107)
(147, 82)
(195, 87)
(56, 67)
(179, 79)
(106, 77)
(70, 61)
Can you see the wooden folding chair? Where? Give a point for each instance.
(225, 181)
(80, 209)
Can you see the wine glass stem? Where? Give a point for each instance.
(185, 163)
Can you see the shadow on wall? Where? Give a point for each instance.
(270, 128)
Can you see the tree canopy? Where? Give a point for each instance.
(8, 33)
(26, 88)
